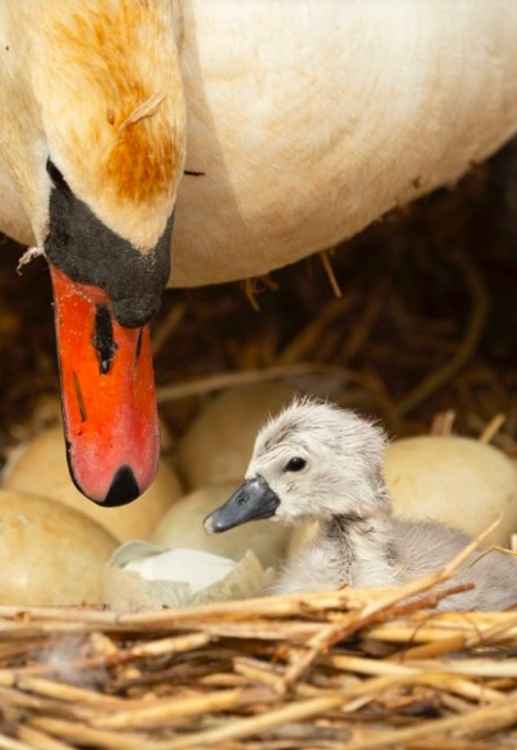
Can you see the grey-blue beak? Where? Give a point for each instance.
(252, 501)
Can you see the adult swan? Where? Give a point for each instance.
(307, 120)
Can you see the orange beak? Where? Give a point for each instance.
(108, 395)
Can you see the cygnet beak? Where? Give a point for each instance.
(252, 501)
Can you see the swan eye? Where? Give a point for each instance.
(295, 464)
(56, 176)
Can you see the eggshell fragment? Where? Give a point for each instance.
(195, 567)
(218, 445)
(144, 576)
(182, 526)
(42, 469)
(49, 554)
(459, 481)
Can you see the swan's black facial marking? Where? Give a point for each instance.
(57, 178)
(87, 251)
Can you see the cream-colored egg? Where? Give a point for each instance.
(218, 445)
(183, 527)
(456, 480)
(49, 554)
(41, 468)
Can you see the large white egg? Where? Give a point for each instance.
(218, 445)
(41, 468)
(183, 527)
(459, 481)
(49, 554)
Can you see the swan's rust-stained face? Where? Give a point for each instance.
(106, 77)
(138, 152)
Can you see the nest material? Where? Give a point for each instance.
(352, 669)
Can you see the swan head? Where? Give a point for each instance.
(109, 101)
(97, 148)
(312, 460)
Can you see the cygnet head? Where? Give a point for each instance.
(312, 460)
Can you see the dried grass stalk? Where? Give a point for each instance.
(265, 674)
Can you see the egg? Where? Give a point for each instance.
(455, 480)
(49, 554)
(218, 445)
(182, 526)
(41, 468)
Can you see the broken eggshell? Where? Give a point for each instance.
(141, 576)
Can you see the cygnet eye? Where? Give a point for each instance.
(297, 463)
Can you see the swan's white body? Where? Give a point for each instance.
(309, 118)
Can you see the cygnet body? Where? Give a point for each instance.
(315, 460)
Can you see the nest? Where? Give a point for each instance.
(351, 669)
(412, 322)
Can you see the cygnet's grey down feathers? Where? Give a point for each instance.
(360, 542)
(413, 550)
